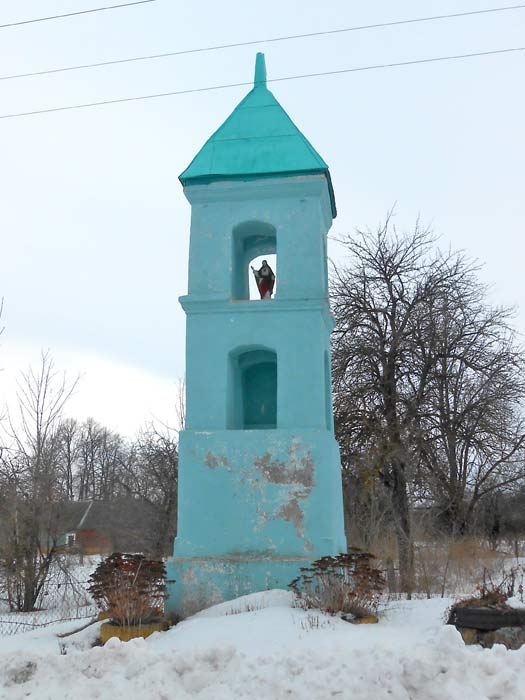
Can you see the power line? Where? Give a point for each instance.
(74, 14)
(272, 80)
(218, 47)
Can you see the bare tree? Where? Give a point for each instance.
(381, 371)
(69, 450)
(29, 476)
(151, 474)
(429, 381)
(89, 445)
(473, 431)
(101, 455)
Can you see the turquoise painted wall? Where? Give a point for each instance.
(255, 505)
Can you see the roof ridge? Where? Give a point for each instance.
(83, 519)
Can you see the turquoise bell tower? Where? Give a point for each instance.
(259, 468)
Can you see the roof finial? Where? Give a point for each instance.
(259, 79)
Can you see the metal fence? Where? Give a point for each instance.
(58, 602)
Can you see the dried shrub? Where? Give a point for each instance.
(129, 587)
(493, 593)
(509, 585)
(347, 583)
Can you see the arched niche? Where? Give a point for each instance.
(252, 389)
(250, 240)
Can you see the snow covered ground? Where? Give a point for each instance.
(262, 648)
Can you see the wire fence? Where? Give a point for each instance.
(58, 602)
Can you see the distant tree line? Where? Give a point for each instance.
(429, 389)
(47, 460)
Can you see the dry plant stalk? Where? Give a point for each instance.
(509, 585)
(131, 588)
(346, 583)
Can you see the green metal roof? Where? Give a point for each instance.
(257, 139)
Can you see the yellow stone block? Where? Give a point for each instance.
(125, 633)
(470, 636)
(367, 620)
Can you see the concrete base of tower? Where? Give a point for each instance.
(196, 583)
(254, 506)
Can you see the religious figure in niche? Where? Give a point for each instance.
(265, 279)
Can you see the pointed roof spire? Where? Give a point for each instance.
(259, 79)
(257, 139)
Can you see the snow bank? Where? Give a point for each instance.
(273, 651)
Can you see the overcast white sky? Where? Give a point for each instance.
(94, 226)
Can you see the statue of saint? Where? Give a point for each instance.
(265, 279)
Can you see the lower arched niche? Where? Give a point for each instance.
(252, 391)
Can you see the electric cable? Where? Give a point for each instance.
(74, 14)
(270, 80)
(219, 47)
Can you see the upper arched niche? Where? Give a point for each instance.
(250, 240)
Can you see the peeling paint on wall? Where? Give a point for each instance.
(213, 462)
(188, 576)
(293, 513)
(296, 473)
(296, 470)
